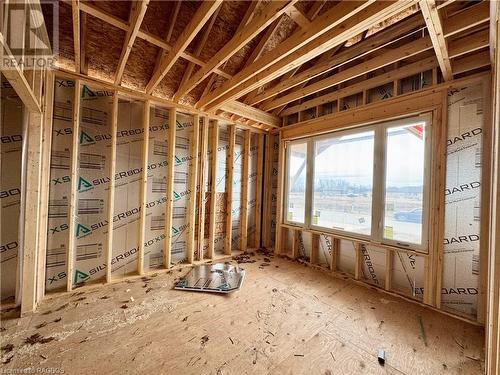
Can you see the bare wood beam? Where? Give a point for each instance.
(406, 71)
(18, 81)
(202, 15)
(369, 45)
(472, 16)
(298, 17)
(150, 38)
(273, 11)
(136, 16)
(197, 52)
(83, 44)
(251, 113)
(385, 59)
(330, 29)
(435, 28)
(468, 43)
(75, 13)
(471, 62)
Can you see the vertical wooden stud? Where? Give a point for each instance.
(258, 191)
(315, 249)
(358, 260)
(244, 191)
(73, 208)
(111, 191)
(193, 175)
(335, 253)
(202, 190)
(213, 190)
(144, 187)
(279, 207)
(167, 251)
(389, 264)
(229, 190)
(295, 243)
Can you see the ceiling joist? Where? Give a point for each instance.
(273, 11)
(435, 28)
(202, 15)
(135, 20)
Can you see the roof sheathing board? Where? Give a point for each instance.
(157, 18)
(103, 49)
(118, 8)
(66, 56)
(140, 64)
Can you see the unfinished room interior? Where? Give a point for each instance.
(250, 187)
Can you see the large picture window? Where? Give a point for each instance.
(369, 182)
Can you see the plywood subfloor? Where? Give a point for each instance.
(287, 319)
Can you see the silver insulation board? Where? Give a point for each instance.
(11, 155)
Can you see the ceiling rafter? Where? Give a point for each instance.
(202, 15)
(330, 29)
(435, 28)
(162, 54)
(466, 19)
(271, 12)
(199, 47)
(369, 45)
(135, 20)
(75, 14)
(298, 17)
(389, 57)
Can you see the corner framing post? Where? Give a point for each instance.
(32, 213)
(111, 192)
(44, 194)
(213, 190)
(144, 187)
(73, 201)
(167, 249)
(229, 190)
(193, 175)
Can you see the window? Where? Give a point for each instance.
(369, 183)
(296, 183)
(404, 183)
(343, 182)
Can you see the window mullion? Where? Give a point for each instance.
(378, 200)
(309, 182)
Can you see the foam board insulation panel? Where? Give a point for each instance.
(60, 185)
(182, 193)
(459, 293)
(127, 207)
(11, 154)
(156, 194)
(274, 139)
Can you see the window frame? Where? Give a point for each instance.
(379, 181)
(286, 200)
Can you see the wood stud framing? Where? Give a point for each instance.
(229, 189)
(144, 187)
(214, 142)
(167, 251)
(193, 182)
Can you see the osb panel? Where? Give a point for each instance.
(185, 15)
(304, 6)
(170, 83)
(238, 60)
(140, 64)
(286, 28)
(66, 51)
(157, 18)
(104, 47)
(225, 26)
(195, 94)
(117, 8)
